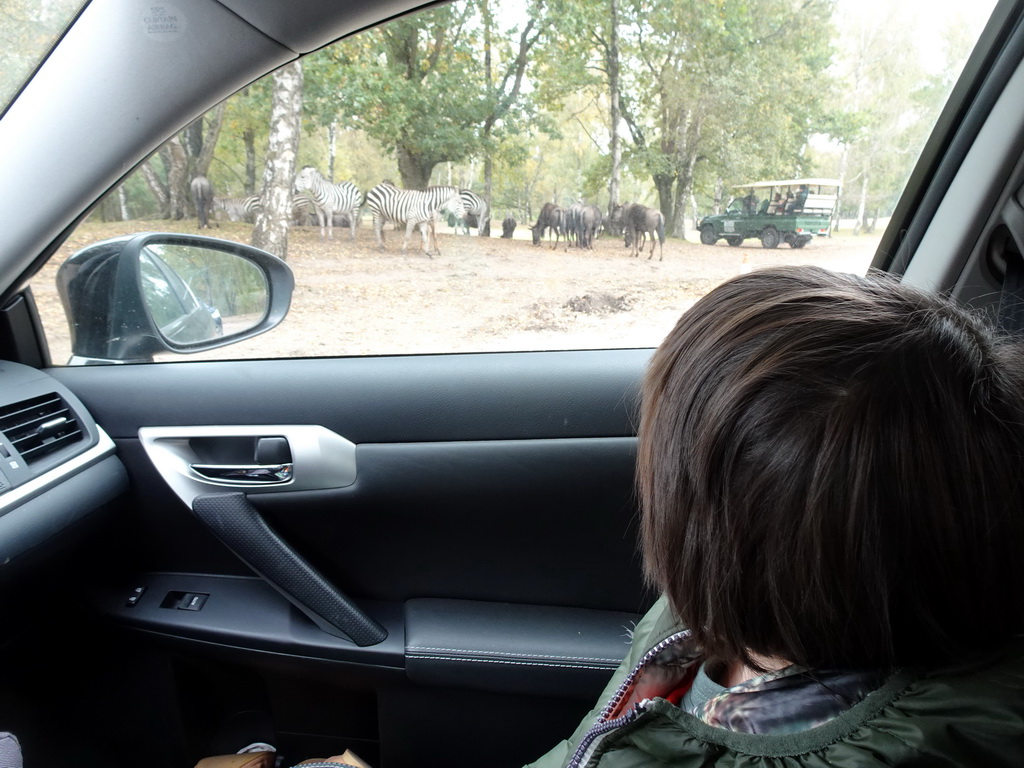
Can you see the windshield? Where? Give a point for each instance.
(28, 30)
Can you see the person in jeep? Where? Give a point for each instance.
(750, 204)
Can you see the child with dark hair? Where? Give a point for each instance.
(829, 472)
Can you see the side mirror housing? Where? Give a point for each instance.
(131, 297)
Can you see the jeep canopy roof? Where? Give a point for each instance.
(789, 183)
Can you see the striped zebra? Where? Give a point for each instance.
(417, 208)
(238, 208)
(330, 199)
(304, 210)
(476, 207)
(246, 208)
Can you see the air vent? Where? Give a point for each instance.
(40, 426)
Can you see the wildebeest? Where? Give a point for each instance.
(619, 221)
(644, 221)
(202, 197)
(572, 224)
(587, 225)
(638, 221)
(552, 219)
(612, 227)
(508, 226)
(627, 237)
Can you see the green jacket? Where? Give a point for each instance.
(969, 716)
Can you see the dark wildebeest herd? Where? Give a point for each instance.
(578, 224)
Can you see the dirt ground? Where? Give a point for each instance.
(478, 295)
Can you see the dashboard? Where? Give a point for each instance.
(58, 468)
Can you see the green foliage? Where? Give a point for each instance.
(714, 93)
(395, 85)
(246, 120)
(27, 30)
(419, 86)
(889, 97)
(730, 89)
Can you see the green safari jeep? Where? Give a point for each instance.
(792, 212)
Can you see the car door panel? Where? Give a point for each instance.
(536, 522)
(424, 398)
(490, 530)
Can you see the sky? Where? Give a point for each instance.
(931, 16)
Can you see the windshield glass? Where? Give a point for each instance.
(28, 29)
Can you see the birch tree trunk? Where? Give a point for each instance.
(332, 150)
(844, 159)
(489, 84)
(863, 204)
(270, 232)
(614, 111)
(122, 202)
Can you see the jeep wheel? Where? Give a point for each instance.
(707, 235)
(735, 241)
(800, 242)
(770, 237)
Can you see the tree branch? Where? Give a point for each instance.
(515, 71)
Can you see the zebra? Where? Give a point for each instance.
(238, 208)
(414, 207)
(246, 208)
(329, 198)
(304, 210)
(476, 207)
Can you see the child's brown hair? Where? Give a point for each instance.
(831, 472)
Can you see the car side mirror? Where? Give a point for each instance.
(131, 297)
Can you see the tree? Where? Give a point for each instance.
(26, 27)
(430, 87)
(614, 109)
(602, 31)
(201, 140)
(245, 125)
(889, 101)
(270, 232)
(705, 85)
(183, 157)
(505, 92)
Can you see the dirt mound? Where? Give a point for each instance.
(599, 303)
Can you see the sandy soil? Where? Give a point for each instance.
(480, 294)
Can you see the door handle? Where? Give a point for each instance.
(324, 459)
(239, 525)
(246, 474)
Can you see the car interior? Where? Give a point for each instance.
(423, 558)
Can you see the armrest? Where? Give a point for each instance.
(519, 649)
